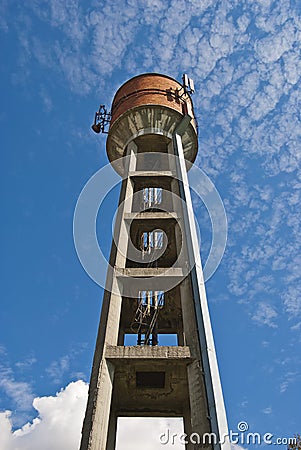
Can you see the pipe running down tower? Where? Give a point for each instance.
(155, 284)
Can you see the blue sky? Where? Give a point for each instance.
(60, 60)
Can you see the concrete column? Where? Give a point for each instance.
(95, 437)
(217, 414)
(187, 428)
(111, 442)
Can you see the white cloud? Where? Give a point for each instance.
(65, 365)
(6, 433)
(46, 100)
(292, 300)
(237, 447)
(292, 67)
(57, 369)
(289, 378)
(57, 427)
(265, 315)
(296, 327)
(59, 422)
(28, 362)
(19, 391)
(271, 48)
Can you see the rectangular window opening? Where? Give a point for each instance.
(151, 241)
(151, 298)
(164, 340)
(168, 340)
(150, 380)
(152, 196)
(134, 432)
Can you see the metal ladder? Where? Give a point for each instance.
(145, 320)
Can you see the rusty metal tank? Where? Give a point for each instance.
(150, 104)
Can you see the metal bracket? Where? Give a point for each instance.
(101, 120)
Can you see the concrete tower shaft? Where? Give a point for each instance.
(154, 287)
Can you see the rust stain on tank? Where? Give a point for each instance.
(151, 89)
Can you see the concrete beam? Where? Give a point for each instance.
(148, 353)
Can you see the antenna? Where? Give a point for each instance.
(185, 81)
(191, 85)
(188, 84)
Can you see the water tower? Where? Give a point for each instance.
(155, 293)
